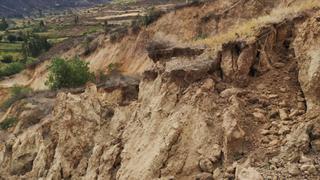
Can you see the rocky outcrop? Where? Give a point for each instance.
(306, 47)
(233, 133)
(162, 51)
(189, 117)
(236, 62)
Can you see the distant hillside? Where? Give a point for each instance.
(23, 7)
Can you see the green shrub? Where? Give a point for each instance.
(68, 73)
(135, 27)
(3, 24)
(200, 36)
(7, 59)
(34, 45)
(11, 38)
(41, 27)
(30, 61)
(17, 93)
(101, 77)
(90, 45)
(113, 67)
(118, 34)
(8, 123)
(151, 16)
(11, 69)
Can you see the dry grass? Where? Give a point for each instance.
(249, 29)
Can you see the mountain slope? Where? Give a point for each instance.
(247, 110)
(21, 7)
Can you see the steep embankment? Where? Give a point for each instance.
(246, 110)
(175, 28)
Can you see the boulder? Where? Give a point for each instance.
(233, 133)
(246, 173)
(306, 46)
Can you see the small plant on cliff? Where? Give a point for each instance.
(114, 67)
(68, 73)
(151, 16)
(3, 24)
(8, 123)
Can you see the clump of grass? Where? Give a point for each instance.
(11, 69)
(17, 93)
(114, 67)
(8, 123)
(249, 29)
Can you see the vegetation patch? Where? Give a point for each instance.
(151, 16)
(8, 123)
(11, 69)
(68, 73)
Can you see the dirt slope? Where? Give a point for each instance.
(246, 110)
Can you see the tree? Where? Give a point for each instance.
(41, 27)
(40, 12)
(4, 24)
(41, 24)
(11, 38)
(7, 59)
(68, 73)
(76, 19)
(34, 45)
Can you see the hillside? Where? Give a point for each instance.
(208, 90)
(25, 7)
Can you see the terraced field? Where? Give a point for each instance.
(13, 49)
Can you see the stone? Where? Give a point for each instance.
(248, 173)
(273, 96)
(265, 132)
(233, 132)
(206, 165)
(264, 140)
(258, 115)
(227, 64)
(261, 86)
(274, 142)
(278, 65)
(293, 169)
(217, 173)
(301, 106)
(245, 62)
(204, 176)
(304, 159)
(300, 99)
(310, 168)
(208, 85)
(284, 130)
(230, 169)
(283, 104)
(294, 113)
(283, 114)
(287, 78)
(309, 64)
(273, 114)
(315, 144)
(229, 92)
(283, 90)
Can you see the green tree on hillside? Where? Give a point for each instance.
(34, 45)
(68, 73)
(76, 19)
(3, 24)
